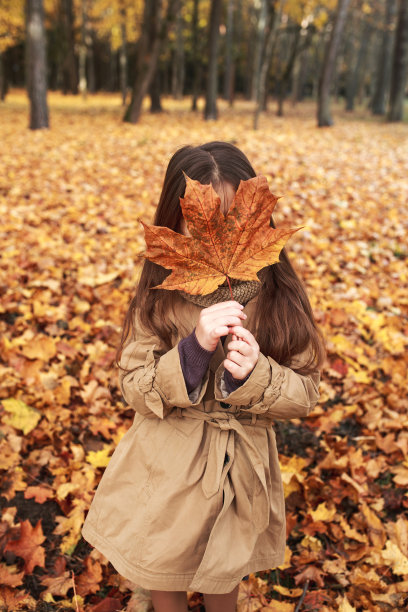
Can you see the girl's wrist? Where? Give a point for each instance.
(205, 345)
(199, 344)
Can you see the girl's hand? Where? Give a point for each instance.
(243, 353)
(216, 321)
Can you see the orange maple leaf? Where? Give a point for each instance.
(41, 494)
(28, 546)
(236, 245)
(89, 581)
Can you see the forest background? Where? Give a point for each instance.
(95, 98)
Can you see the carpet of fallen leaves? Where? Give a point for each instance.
(70, 240)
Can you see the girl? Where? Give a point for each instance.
(192, 498)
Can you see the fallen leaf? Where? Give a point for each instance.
(28, 546)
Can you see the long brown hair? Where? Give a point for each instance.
(283, 319)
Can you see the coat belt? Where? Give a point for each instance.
(222, 423)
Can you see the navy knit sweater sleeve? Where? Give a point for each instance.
(195, 360)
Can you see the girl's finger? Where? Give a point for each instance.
(244, 334)
(223, 330)
(229, 320)
(227, 312)
(242, 347)
(221, 305)
(237, 358)
(234, 369)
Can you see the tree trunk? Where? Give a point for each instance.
(178, 56)
(210, 111)
(356, 74)
(83, 86)
(259, 49)
(149, 45)
(195, 55)
(400, 65)
(323, 107)
(69, 66)
(382, 86)
(2, 78)
(110, 79)
(154, 92)
(229, 54)
(288, 72)
(90, 37)
(36, 64)
(266, 60)
(300, 75)
(123, 53)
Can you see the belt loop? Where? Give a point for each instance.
(179, 411)
(253, 420)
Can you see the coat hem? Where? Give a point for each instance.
(175, 582)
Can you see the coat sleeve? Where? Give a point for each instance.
(273, 390)
(156, 382)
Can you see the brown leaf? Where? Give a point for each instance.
(310, 573)
(220, 247)
(89, 581)
(12, 600)
(57, 585)
(28, 546)
(9, 579)
(40, 494)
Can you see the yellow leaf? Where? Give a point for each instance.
(287, 561)
(287, 592)
(393, 557)
(100, 458)
(322, 513)
(345, 606)
(22, 416)
(311, 543)
(40, 347)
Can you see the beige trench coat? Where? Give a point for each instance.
(192, 498)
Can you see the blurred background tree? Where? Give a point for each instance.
(260, 50)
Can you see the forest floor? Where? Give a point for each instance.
(70, 202)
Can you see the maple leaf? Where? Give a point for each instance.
(28, 546)
(236, 245)
(41, 494)
(12, 600)
(89, 581)
(8, 578)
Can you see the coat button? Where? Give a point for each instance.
(224, 405)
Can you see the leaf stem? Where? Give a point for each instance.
(229, 285)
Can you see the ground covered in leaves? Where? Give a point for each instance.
(70, 240)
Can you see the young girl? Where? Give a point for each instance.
(192, 498)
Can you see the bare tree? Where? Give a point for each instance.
(210, 111)
(400, 65)
(382, 85)
(178, 68)
(155, 20)
(195, 55)
(270, 22)
(329, 64)
(36, 69)
(3, 81)
(229, 54)
(69, 68)
(123, 61)
(356, 71)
